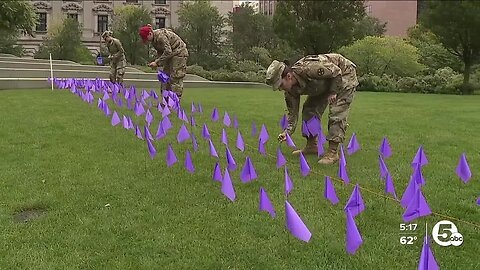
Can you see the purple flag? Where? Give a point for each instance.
(149, 117)
(213, 151)
(215, 114)
(254, 129)
(205, 133)
(385, 149)
(478, 201)
(427, 260)
(265, 204)
(343, 160)
(183, 134)
(355, 204)
(224, 137)
(418, 176)
(154, 94)
(138, 109)
(171, 157)
(295, 224)
(417, 207)
(145, 95)
(263, 134)
(304, 168)
(280, 158)
(235, 122)
(420, 158)
(389, 187)
(288, 182)
(217, 173)
(248, 172)
(240, 144)
(192, 121)
(353, 238)
(105, 95)
(194, 142)
(320, 150)
(138, 133)
(353, 145)
(261, 148)
(231, 164)
(226, 119)
(383, 167)
(200, 109)
(193, 107)
(463, 170)
(106, 108)
(305, 132)
(166, 123)
(290, 141)
(151, 149)
(284, 122)
(313, 126)
(130, 123)
(330, 193)
(166, 111)
(115, 119)
(160, 131)
(409, 192)
(342, 173)
(126, 124)
(188, 162)
(321, 138)
(119, 101)
(163, 77)
(148, 135)
(227, 186)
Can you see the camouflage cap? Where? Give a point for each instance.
(107, 34)
(274, 74)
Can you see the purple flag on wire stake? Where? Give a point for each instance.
(126, 124)
(240, 144)
(295, 224)
(151, 149)
(161, 133)
(205, 133)
(213, 151)
(261, 148)
(330, 193)
(148, 135)
(427, 260)
(284, 122)
(138, 133)
(355, 204)
(389, 187)
(227, 186)
(115, 119)
(183, 134)
(304, 168)
(248, 172)
(166, 123)
(226, 120)
(418, 176)
(231, 164)
(188, 162)
(215, 115)
(290, 141)
(353, 145)
(265, 204)
(420, 158)
(288, 182)
(409, 192)
(418, 207)
(254, 129)
(478, 201)
(200, 109)
(171, 157)
(342, 173)
(263, 134)
(383, 167)
(224, 137)
(193, 108)
(149, 117)
(163, 77)
(353, 238)
(235, 122)
(217, 173)
(194, 142)
(385, 149)
(280, 158)
(463, 170)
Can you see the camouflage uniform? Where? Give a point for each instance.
(172, 56)
(319, 76)
(117, 59)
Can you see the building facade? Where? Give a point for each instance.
(96, 16)
(267, 7)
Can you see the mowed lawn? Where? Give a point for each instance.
(62, 154)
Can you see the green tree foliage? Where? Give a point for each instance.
(456, 25)
(368, 26)
(383, 55)
(126, 22)
(317, 26)
(202, 28)
(15, 17)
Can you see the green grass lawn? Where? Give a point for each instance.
(62, 154)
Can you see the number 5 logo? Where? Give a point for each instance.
(441, 237)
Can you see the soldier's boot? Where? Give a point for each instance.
(331, 156)
(310, 148)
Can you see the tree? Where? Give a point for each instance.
(383, 55)
(369, 26)
(259, 32)
(317, 26)
(456, 25)
(201, 26)
(18, 15)
(432, 53)
(127, 20)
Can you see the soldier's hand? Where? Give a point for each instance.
(332, 99)
(153, 65)
(282, 137)
(110, 57)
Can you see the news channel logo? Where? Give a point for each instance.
(445, 233)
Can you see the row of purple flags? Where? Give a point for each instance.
(415, 202)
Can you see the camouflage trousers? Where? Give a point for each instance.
(176, 68)
(117, 71)
(338, 112)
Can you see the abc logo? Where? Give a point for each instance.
(445, 233)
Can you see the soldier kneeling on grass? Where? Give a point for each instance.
(117, 57)
(326, 80)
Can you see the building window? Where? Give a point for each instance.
(102, 23)
(369, 9)
(159, 22)
(42, 22)
(132, 1)
(73, 16)
(160, 2)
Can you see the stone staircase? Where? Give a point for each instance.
(29, 73)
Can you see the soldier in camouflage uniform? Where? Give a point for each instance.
(117, 57)
(172, 55)
(327, 80)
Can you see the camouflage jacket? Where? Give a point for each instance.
(167, 44)
(318, 75)
(116, 50)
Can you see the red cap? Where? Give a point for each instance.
(144, 31)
